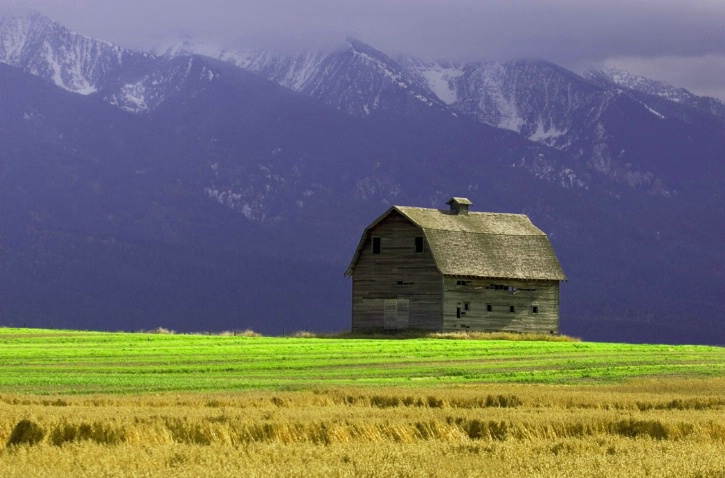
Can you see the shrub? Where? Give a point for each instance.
(248, 333)
(304, 334)
(26, 432)
(161, 330)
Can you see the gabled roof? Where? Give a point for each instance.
(480, 244)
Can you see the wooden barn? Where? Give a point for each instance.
(454, 270)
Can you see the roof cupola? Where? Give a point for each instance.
(459, 205)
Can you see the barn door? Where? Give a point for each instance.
(396, 314)
(403, 313)
(391, 314)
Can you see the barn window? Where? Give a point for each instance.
(512, 308)
(462, 282)
(535, 309)
(466, 306)
(489, 308)
(376, 245)
(458, 312)
(418, 244)
(499, 287)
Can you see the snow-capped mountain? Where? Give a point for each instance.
(535, 99)
(356, 78)
(214, 189)
(540, 101)
(551, 105)
(440, 77)
(147, 89)
(654, 88)
(47, 49)
(360, 80)
(631, 81)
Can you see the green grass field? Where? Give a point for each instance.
(36, 361)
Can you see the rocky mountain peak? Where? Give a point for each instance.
(45, 48)
(638, 84)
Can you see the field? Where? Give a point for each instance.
(117, 404)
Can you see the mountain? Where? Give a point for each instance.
(356, 79)
(47, 49)
(629, 138)
(105, 223)
(193, 215)
(203, 193)
(536, 99)
(648, 88)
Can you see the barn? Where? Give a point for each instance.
(454, 270)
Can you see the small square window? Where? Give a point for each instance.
(489, 308)
(376, 245)
(535, 309)
(512, 308)
(466, 306)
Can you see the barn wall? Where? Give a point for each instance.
(522, 295)
(407, 280)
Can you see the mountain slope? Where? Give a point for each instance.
(187, 214)
(71, 61)
(620, 136)
(104, 224)
(614, 77)
(355, 79)
(144, 242)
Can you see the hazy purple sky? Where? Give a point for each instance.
(679, 41)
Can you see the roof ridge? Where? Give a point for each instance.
(448, 213)
(486, 233)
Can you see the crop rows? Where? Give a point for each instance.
(88, 362)
(652, 428)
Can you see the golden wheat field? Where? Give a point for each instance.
(649, 428)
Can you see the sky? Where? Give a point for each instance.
(681, 42)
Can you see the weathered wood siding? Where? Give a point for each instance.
(471, 298)
(399, 286)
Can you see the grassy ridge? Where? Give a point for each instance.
(69, 362)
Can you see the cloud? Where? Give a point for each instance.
(561, 30)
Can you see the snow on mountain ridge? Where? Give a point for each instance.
(439, 77)
(355, 78)
(640, 83)
(146, 93)
(13, 34)
(546, 104)
(655, 88)
(186, 46)
(47, 49)
(536, 99)
(293, 72)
